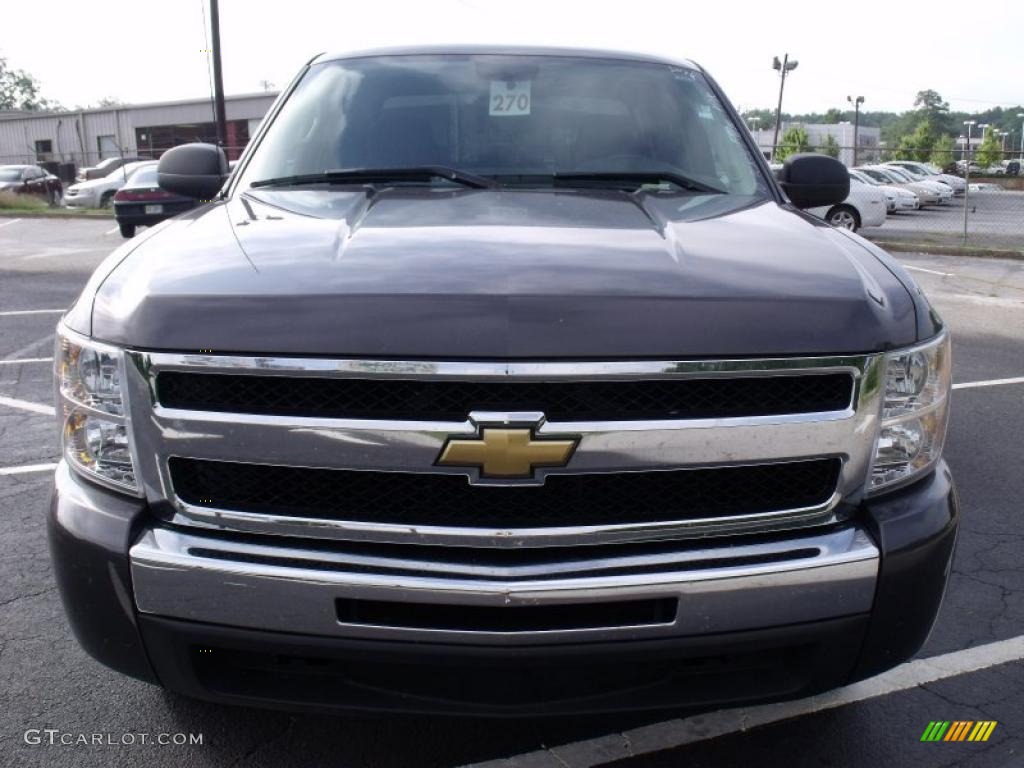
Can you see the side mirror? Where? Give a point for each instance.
(193, 170)
(811, 181)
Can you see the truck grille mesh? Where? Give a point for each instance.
(564, 500)
(408, 399)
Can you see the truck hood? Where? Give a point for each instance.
(500, 274)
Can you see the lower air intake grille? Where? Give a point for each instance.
(449, 500)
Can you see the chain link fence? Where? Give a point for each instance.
(978, 205)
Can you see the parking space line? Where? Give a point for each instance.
(18, 312)
(112, 231)
(680, 732)
(20, 360)
(929, 271)
(989, 383)
(24, 469)
(25, 405)
(8, 223)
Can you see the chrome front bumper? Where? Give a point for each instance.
(721, 588)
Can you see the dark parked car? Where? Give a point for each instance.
(141, 202)
(103, 167)
(31, 180)
(500, 383)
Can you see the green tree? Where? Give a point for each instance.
(19, 90)
(933, 109)
(794, 140)
(833, 116)
(830, 147)
(922, 139)
(989, 153)
(905, 149)
(942, 152)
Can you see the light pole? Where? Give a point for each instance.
(967, 173)
(782, 67)
(1020, 116)
(856, 122)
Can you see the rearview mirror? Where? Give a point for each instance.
(194, 170)
(812, 181)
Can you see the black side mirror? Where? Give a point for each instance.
(193, 170)
(811, 181)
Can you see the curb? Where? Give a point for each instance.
(948, 250)
(7, 214)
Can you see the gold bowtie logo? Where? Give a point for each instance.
(507, 452)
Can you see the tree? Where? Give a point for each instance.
(989, 153)
(942, 152)
(922, 140)
(19, 90)
(794, 140)
(933, 109)
(831, 146)
(905, 149)
(833, 116)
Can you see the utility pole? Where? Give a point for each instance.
(856, 122)
(218, 79)
(782, 67)
(1020, 116)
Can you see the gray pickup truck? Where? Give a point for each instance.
(501, 381)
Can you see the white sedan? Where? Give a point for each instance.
(97, 193)
(925, 172)
(865, 206)
(896, 198)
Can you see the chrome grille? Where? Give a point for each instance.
(645, 445)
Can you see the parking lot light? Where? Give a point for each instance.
(967, 172)
(782, 67)
(1020, 116)
(856, 122)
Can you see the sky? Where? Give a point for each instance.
(139, 51)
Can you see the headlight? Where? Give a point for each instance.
(95, 432)
(915, 410)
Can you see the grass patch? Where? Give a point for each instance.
(12, 202)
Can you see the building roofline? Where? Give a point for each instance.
(20, 114)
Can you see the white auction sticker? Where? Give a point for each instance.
(510, 98)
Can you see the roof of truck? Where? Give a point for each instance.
(504, 50)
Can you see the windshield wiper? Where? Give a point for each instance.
(636, 179)
(379, 176)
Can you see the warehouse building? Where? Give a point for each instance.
(69, 140)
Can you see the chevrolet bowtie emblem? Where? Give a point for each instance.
(507, 452)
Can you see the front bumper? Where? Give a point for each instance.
(196, 615)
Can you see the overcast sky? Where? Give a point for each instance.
(143, 50)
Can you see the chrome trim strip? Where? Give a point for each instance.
(188, 576)
(538, 371)
(413, 446)
(231, 520)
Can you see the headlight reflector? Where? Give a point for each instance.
(95, 429)
(915, 411)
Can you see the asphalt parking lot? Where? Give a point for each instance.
(995, 220)
(970, 669)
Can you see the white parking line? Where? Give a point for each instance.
(25, 405)
(112, 231)
(20, 360)
(24, 469)
(989, 383)
(680, 732)
(8, 223)
(929, 271)
(17, 312)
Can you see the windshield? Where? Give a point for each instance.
(863, 177)
(513, 119)
(893, 173)
(144, 175)
(10, 174)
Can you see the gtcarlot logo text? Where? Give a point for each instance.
(54, 737)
